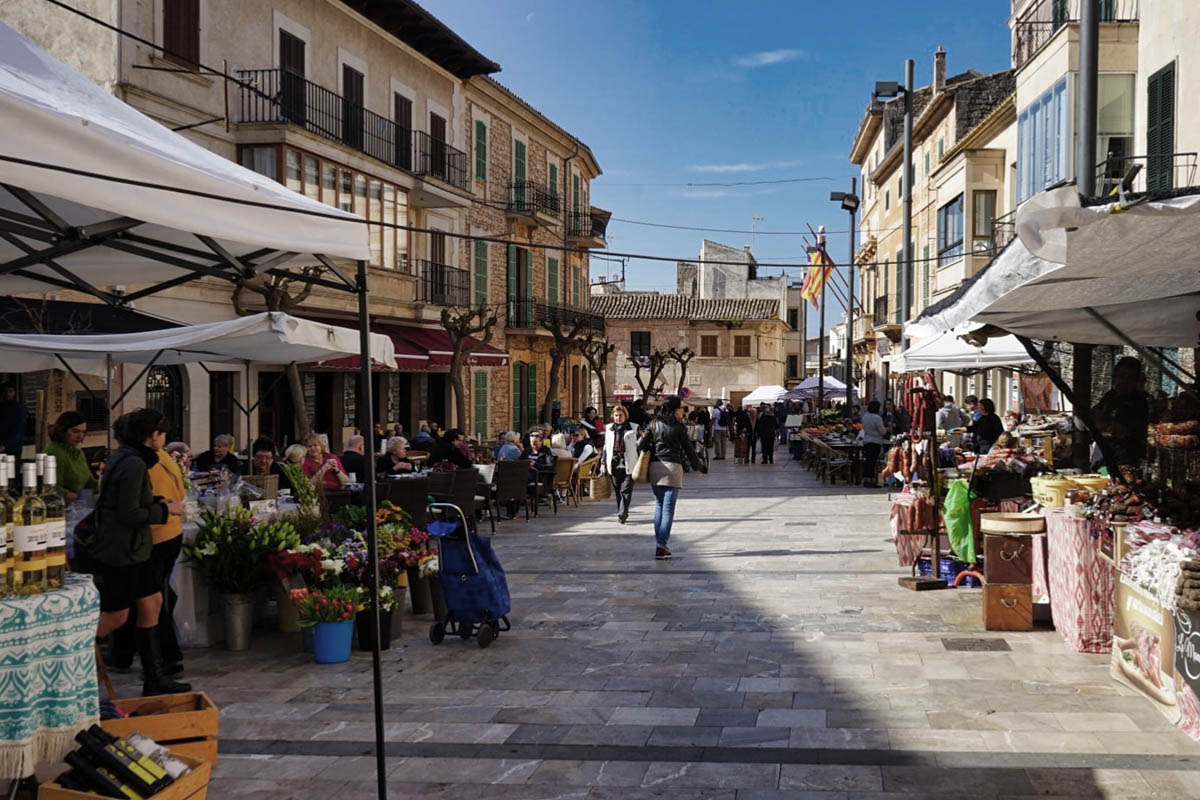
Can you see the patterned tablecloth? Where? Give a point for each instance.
(48, 690)
(1081, 584)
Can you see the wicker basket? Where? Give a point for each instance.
(600, 488)
(267, 484)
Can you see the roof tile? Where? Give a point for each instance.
(675, 306)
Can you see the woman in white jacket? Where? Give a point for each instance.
(618, 457)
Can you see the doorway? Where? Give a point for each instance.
(164, 393)
(436, 401)
(276, 411)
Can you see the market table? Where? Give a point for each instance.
(48, 690)
(1081, 583)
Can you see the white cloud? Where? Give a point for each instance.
(768, 58)
(743, 166)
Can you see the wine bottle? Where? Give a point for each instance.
(100, 780)
(29, 534)
(56, 526)
(152, 767)
(40, 460)
(118, 763)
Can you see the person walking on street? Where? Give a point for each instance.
(620, 443)
(743, 433)
(720, 425)
(874, 435)
(670, 448)
(765, 430)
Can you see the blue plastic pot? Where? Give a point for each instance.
(331, 641)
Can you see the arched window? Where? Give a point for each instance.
(164, 393)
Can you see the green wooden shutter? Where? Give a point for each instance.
(480, 150)
(481, 273)
(1160, 128)
(531, 402)
(575, 287)
(553, 179)
(511, 276)
(519, 161)
(528, 282)
(577, 227)
(518, 384)
(552, 280)
(480, 396)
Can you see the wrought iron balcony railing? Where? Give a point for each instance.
(1038, 26)
(1166, 171)
(281, 96)
(442, 285)
(586, 224)
(525, 312)
(527, 197)
(1004, 230)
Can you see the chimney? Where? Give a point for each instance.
(939, 71)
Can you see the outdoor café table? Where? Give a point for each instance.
(1081, 583)
(48, 690)
(418, 459)
(854, 451)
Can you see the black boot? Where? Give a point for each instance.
(154, 680)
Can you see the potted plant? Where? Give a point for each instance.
(226, 557)
(330, 613)
(292, 569)
(365, 623)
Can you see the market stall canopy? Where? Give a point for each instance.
(807, 389)
(1093, 275)
(267, 338)
(114, 198)
(765, 394)
(948, 351)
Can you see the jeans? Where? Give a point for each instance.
(622, 483)
(664, 512)
(720, 436)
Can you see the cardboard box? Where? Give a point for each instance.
(193, 786)
(187, 723)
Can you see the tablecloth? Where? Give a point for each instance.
(48, 690)
(1081, 584)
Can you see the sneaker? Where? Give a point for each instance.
(661, 553)
(621, 518)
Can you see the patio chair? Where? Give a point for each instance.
(411, 495)
(588, 469)
(564, 468)
(833, 464)
(512, 485)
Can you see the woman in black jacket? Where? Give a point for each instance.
(670, 448)
(987, 429)
(447, 449)
(120, 546)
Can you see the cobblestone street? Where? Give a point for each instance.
(774, 657)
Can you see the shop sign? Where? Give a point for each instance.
(1143, 655)
(1187, 669)
(883, 345)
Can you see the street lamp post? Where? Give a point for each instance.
(849, 201)
(893, 89)
(821, 341)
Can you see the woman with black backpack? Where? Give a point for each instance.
(671, 452)
(118, 548)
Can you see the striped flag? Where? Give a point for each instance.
(818, 273)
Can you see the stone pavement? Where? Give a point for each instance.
(774, 657)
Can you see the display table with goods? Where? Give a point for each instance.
(48, 690)
(131, 765)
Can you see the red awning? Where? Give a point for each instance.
(436, 342)
(409, 357)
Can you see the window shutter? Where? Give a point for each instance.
(518, 386)
(1160, 130)
(575, 287)
(528, 279)
(511, 276)
(480, 150)
(553, 179)
(925, 263)
(552, 280)
(531, 403)
(519, 161)
(480, 397)
(181, 32)
(481, 273)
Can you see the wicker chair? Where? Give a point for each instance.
(564, 469)
(411, 495)
(512, 485)
(588, 469)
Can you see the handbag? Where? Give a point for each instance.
(641, 468)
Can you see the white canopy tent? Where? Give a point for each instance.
(765, 394)
(948, 351)
(809, 388)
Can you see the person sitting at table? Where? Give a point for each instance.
(424, 439)
(354, 460)
(395, 461)
(582, 447)
(182, 455)
(66, 435)
(510, 450)
(219, 456)
(262, 462)
(558, 446)
(500, 439)
(447, 450)
(321, 467)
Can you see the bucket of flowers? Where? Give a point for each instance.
(330, 612)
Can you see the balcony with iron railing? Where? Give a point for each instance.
(529, 199)
(281, 96)
(1004, 230)
(1046, 18)
(442, 285)
(587, 227)
(1153, 172)
(525, 312)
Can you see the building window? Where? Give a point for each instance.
(1160, 128)
(887, 199)
(982, 216)
(639, 343)
(552, 279)
(793, 318)
(950, 231)
(480, 401)
(708, 346)
(262, 160)
(524, 395)
(741, 347)
(793, 366)
(480, 150)
(402, 116)
(181, 32)
(927, 161)
(941, 148)
(480, 264)
(1043, 139)
(576, 280)
(1114, 130)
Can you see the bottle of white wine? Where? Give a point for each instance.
(6, 553)
(29, 532)
(56, 526)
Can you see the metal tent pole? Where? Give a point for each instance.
(906, 220)
(850, 305)
(108, 406)
(366, 415)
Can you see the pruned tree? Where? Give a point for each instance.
(469, 330)
(595, 349)
(682, 356)
(654, 364)
(282, 293)
(566, 333)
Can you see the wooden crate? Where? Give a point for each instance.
(267, 484)
(193, 786)
(184, 722)
(1007, 607)
(1008, 558)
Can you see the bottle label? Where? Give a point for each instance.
(56, 559)
(29, 538)
(56, 533)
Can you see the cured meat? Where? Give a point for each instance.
(1189, 705)
(1148, 657)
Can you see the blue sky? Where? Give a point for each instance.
(674, 93)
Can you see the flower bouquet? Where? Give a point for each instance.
(231, 556)
(330, 613)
